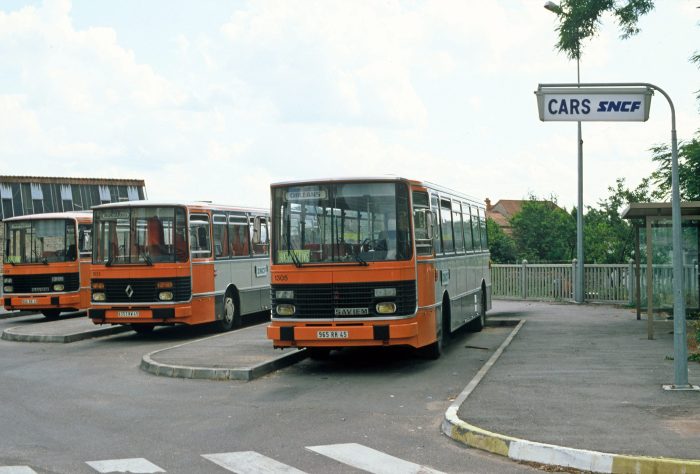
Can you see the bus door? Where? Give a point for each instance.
(222, 256)
(85, 262)
(241, 264)
(423, 225)
(261, 259)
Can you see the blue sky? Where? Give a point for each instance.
(216, 99)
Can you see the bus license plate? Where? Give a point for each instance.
(30, 301)
(128, 314)
(332, 334)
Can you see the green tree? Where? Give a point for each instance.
(501, 245)
(544, 232)
(580, 20)
(688, 169)
(607, 237)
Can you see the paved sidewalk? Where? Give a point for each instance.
(585, 377)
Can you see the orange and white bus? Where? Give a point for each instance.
(47, 262)
(375, 262)
(178, 263)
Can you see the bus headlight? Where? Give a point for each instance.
(284, 294)
(285, 309)
(7, 288)
(165, 295)
(386, 308)
(58, 287)
(98, 296)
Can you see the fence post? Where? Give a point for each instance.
(630, 282)
(573, 275)
(523, 279)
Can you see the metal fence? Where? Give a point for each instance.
(603, 283)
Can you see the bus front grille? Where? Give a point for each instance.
(321, 301)
(144, 290)
(44, 283)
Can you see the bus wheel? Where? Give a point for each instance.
(478, 324)
(434, 350)
(143, 328)
(228, 318)
(51, 313)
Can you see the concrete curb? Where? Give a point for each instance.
(540, 453)
(148, 364)
(16, 314)
(10, 335)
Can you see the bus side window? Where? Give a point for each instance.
(468, 241)
(446, 225)
(435, 209)
(482, 228)
(422, 222)
(85, 240)
(200, 244)
(260, 236)
(221, 247)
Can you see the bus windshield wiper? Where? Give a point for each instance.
(359, 259)
(147, 258)
(295, 259)
(109, 261)
(45, 261)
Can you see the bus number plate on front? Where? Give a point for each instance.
(29, 301)
(128, 314)
(332, 334)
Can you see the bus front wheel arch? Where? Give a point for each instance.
(434, 350)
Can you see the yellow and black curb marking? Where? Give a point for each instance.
(549, 454)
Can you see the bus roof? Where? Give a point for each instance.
(52, 215)
(389, 178)
(200, 205)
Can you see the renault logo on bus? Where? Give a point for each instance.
(593, 104)
(129, 291)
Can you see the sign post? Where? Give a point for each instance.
(629, 102)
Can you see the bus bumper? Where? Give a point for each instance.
(388, 333)
(39, 302)
(172, 315)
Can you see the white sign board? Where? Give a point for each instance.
(593, 104)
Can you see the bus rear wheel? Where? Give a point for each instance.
(51, 314)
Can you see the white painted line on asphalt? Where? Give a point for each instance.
(370, 460)
(16, 470)
(250, 462)
(134, 465)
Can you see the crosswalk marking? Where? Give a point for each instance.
(250, 462)
(369, 459)
(134, 465)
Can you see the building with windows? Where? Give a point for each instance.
(22, 195)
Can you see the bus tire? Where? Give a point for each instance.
(229, 316)
(51, 314)
(477, 324)
(143, 328)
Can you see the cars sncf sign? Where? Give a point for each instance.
(594, 104)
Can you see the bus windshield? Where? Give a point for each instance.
(341, 222)
(139, 235)
(40, 241)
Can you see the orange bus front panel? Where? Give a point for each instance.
(416, 332)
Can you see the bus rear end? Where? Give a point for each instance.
(343, 267)
(141, 273)
(47, 263)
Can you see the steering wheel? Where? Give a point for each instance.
(367, 245)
